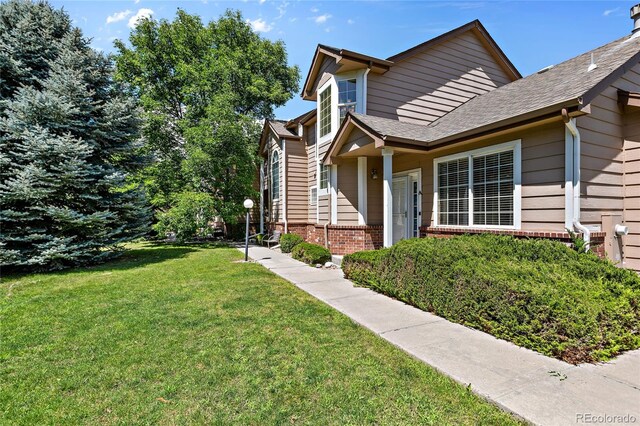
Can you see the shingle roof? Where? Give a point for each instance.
(279, 128)
(567, 83)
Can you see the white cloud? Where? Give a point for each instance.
(294, 19)
(321, 19)
(315, 10)
(261, 1)
(136, 1)
(140, 14)
(260, 25)
(350, 21)
(118, 16)
(610, 11)
(282, 10)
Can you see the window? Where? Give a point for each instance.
(453, 192)
(346, 97)
(479, 188)
(493, 189)
(275, 176)
(325, 112)
(313, 195)
(324, 177)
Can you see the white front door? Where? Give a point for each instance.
(400, 208)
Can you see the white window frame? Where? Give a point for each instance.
(356, 103)
(313, 200)
(275, 152)
(516, 147)
(334, 88)
(323, 191)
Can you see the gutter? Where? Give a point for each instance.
(572, 169)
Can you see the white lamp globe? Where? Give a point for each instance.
(248, 203)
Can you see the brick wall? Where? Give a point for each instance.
(597, 238)
(342, 239)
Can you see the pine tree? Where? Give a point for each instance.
(68, 142)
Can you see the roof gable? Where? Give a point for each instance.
(480, 32)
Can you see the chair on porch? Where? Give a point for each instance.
(273, 238)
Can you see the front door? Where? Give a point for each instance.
(400, 208)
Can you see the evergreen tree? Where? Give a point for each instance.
(68, 142)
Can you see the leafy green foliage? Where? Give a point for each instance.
(311, 254)
(188, 218)
(204, 89)
(289, 241)
(185, 335)
(68, 145)
(577, 243)
(539, 294)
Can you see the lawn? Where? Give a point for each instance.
(174, 334)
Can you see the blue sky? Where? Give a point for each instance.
(533, 34)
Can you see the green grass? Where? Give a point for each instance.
(178, 335)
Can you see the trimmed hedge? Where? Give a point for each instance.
(311, 253)
(289, 241)
(539, 294)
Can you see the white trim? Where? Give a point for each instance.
(516, 147)
(321, 140)
(323, 191)
(313, 201)
(387, 196)
(362, 190)
(568, 179)
(333, 185)
(418, 173)
(284, 185)
(275, 150)
(262, 195)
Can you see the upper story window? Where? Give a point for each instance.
(479, 188)
(346, 97)
(275, 175)
(324, 177)
(325, 112)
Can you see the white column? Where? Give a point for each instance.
(262, 196)
(333, 179)
(387, 174)
(362, 190)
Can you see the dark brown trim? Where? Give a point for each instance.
(628, 99)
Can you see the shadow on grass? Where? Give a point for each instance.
(138, 255)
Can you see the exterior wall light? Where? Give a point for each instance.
(374, 174)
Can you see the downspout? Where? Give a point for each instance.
(570, 123)
(328, 222)
(284, 185)
(365, 78)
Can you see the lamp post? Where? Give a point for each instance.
(248, 204)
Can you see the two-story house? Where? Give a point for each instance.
(447, 138)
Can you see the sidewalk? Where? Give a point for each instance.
(537, 388)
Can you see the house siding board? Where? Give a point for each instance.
(310, 138)
(348, 192)
(631, 213)
(431, 83)
(297, 182)
(603, 167)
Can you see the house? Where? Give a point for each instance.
(448, 138)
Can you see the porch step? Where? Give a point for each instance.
(336, 259)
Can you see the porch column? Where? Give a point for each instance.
(362, 190)
(387, 174)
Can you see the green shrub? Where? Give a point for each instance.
(311, 253)
(289, 241)
(539, 294)
(188, 218)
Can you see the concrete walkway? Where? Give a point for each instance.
(537, 388)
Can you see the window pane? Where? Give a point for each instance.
(324, 177)
(453, 192)
(325, 112)
(275, 175)
(493, 189)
